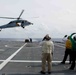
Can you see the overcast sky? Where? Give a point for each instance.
(55, 17)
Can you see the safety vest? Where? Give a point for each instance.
(68, 44)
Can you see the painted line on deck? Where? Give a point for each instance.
(59, 46)
(2, 50)
(30, 61)
(34, 61)
(9, 58)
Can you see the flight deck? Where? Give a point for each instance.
(20, 58)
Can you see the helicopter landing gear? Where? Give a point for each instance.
(22, 26)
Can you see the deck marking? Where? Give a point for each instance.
(59, 46)
(34, 61)
(9, 58)
(31, 61)
(2, 50)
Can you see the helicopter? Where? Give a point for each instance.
(19, 22)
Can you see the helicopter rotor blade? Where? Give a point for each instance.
(8, 17)
(20, 14)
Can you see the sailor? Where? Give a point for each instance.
(73, 40)
(68, 49)
(47, 52)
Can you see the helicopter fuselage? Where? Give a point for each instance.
(16, 23)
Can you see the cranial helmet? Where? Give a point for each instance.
(74, 38)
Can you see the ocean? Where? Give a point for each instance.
(33, 39)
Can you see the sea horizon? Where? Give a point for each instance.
(23, 39)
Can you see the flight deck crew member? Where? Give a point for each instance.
(68, 46)
(47, 51)
(73, 40)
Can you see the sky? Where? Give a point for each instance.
(54, 17)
